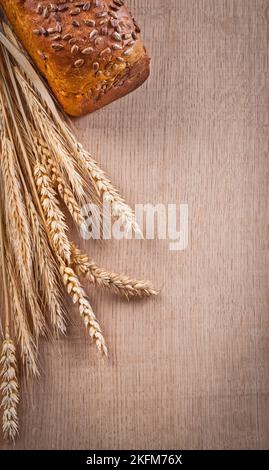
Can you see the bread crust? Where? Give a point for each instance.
(91, 53)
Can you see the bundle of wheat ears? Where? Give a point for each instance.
(42, 168)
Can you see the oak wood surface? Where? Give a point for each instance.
(189, 369)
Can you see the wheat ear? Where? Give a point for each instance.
(18, 223)
(78, 295)
(118, 283)
(54, 217)
(107, 192)
(60, 183)
(9, 388)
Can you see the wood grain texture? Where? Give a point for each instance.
(189, 369)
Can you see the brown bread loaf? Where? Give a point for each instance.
(90, 52)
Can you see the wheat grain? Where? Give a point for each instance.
(78, 295)
(9, 389)
(118, 283)
(67, 196)
(54, 216)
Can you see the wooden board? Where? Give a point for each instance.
(189, 369)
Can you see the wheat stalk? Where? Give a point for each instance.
(47, 272)
(54, 217)
(21, 326)
(118, 283)
(24, 337)
(47, 129)
(9, 388)
(78, 295)
(17, 223)
(21, 127)
(44, 266)
(19, 239)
